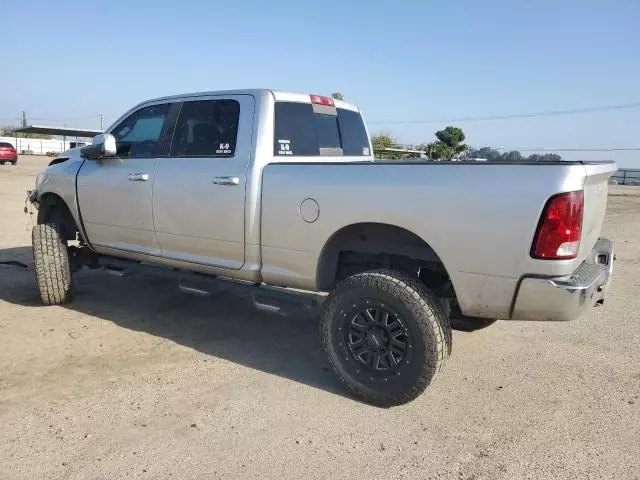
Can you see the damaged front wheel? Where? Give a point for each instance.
(51, 264)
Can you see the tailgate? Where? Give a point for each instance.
(595, 203)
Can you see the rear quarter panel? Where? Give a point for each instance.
(596, 191)
(480, 219)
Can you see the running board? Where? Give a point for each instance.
(279, 301)
(284, 302)
(276, 300)
(199, 286)
(117, 271)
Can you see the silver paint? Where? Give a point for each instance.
(240, 217)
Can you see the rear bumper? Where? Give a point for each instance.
(565, 298)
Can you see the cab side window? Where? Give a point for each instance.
(206, 128)
(144, 133)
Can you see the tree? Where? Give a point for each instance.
(338, 95)
(512, 156)
(438, 151)
(487, 153)
(448, 146)
(383, 140)
(545, 157)
(493, 155)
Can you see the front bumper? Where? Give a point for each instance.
(566, 298)
(32, 197)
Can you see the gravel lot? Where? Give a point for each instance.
(136, 380)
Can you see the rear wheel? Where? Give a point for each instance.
(1, 162)
(51, 262)
(385, 335)
(14, 162)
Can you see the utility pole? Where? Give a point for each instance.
(101, 121)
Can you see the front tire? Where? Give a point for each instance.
(385, 335)
(51, 263)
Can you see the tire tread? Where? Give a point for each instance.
(426, 309)
(51, 264)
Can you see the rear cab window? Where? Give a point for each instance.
(5, 145)
(206, 128)
(312, 130)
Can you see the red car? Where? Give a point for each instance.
(8, 153)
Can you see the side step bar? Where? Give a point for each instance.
(277, 300)
(280, 301)
(286, 302)
(117, 271)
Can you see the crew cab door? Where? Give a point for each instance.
(115, 194)
(199, 189)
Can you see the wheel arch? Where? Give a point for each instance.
(373, 239)
(53, 209)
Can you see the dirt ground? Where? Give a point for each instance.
(137, 380)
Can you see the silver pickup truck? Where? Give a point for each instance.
(273, 189)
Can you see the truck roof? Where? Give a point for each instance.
(256, 92)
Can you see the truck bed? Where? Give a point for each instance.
(479, 217)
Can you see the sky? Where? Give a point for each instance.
(403, 60)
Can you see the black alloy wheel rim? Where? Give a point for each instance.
(377, 338)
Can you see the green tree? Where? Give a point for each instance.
(438, 151)
(381, 141)
(512, 156)
(487, 153)
(338, 95)
(493, 155)
(448, 146)
(545, 157)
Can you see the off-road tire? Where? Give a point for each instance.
(51, 264)
(424, 321)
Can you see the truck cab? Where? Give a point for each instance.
(188, 172)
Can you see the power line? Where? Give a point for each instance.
(570, 149)
(477, 118)
(480, 118)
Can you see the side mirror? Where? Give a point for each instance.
(103, 145)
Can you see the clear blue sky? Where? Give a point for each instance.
(402, 60)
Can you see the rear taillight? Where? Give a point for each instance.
(558, 234)
(320, 100)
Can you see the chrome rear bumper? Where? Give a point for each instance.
(566, 298)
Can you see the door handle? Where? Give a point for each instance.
(226, 180)
(138, 177)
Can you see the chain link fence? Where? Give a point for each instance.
(628, 176)
(37, 146)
